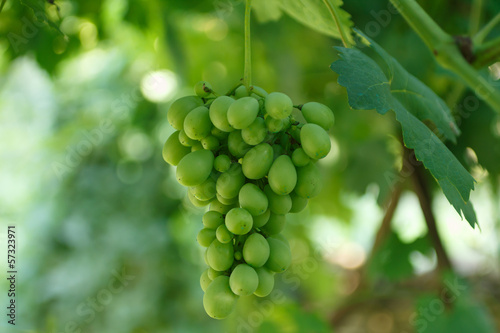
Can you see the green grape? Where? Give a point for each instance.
(222, 163)
(298, 203)
(173, 150)
(255, 133)
(230, 182)
(197, 124)
(223, 235)
(241, 92)
(205, 280)
(185, 140)
(212, 219)
(257, 161)
(212, 273)
(205, 257)
(239, 221)
(273, 125)
(195, 168)
(221, 135)
(281, 238)
(205, 191)
(275, 224)
(196, 202)
(282, 175)
(315, 141)
(256, 250)
(180, 109)
(258, 92)
(278, 105)
(266, 282)
(218, 113)
(280, 256)
(205, 237)
(219, 301)
(210, 142)
(319, 114)
(243, 280)
(203, 89)
(308, 181)
(300, 158)
(261, 220)
(237, 255)
(278, 204)
(225, 201)
(253, 199)
(220, 207)
(243, 112)
(237, 147)
(196, 146)
(220, 255)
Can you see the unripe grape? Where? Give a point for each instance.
(173, 150)
(196, 146)
(282, 175)
(203, 89)
(319, 114)
(205, 280)
(219, 134)
(227, 202)
(220, 207)
(205, 237)
(238, 255)
(220, 256)
(273, 125)
(258, 92)
(243, 280)
(275, 224)
(280, 256)
(266, 282)
(243, 112)
(185, 140)
(197, 124)
(253, 199)
(256, 250)
(278, 204)
(212, 273)
(278, 105)
(210, 142)
(258, 161)
(195, 168)
(261, 220)
(308, 181)
(219, 301)
(205, 191)
(237, 147)
(222, 163)
(239, 221)
(241, 92)
(223, 235)
(230, 182)
(298, 203)
(218, 113)
(196, 202)
(212, 219)
(315, 141)
(255, 133)
(180, 109)
(300, 158)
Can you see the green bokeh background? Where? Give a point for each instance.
(82, 123)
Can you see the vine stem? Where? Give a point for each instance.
(487, 53)
(247, 75)
(2, 4)
(446, 51)
(343, 35)
(483, 33)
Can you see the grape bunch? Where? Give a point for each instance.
(245, 157)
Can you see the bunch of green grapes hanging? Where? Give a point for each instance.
(245, 157)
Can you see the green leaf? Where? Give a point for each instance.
(315, 15)
(266, 10)
(38, 8)
(368, 87)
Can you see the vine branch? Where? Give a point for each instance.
(483, 33)
(446, 51)
(247, 75)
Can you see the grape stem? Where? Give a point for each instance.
(247, 75)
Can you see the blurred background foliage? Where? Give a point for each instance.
(107, 239)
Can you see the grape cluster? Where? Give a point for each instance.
(245, 156)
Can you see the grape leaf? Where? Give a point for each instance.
(266, 10)
(38, 8)
(315, 15)
(368, 87)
